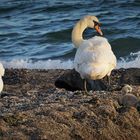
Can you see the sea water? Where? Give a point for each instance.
(36, 34)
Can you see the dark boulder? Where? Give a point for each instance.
(131, 76)
(72, 81)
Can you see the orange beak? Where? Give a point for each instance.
(98, 29)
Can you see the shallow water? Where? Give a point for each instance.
(37, 33)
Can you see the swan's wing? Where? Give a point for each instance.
(85, 54)
(93, 54)
(103, 51)
(95, 50)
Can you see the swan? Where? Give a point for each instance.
(94, 58)
(2, 71)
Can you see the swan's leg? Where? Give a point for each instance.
(85, 86)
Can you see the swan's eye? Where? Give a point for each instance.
(96, 23)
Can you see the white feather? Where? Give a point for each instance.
(1, 84)
(2, 71)
(94, 58)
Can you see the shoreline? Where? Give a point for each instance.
(32, 107)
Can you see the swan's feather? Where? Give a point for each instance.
(94, 58)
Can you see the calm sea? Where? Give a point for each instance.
(37, 33)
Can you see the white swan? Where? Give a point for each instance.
(2, 71)
(94, 58)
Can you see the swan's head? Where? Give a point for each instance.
(93, 22)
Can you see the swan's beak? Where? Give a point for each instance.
(98, 29)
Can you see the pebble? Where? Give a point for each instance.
(127, 89)
(1, 104)
(62, 99)
(128, 100)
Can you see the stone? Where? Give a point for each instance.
(138, 106)
(130, 76)
(128, 100)
(127, 89)
(71, 80)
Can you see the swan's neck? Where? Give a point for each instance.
(77, 33)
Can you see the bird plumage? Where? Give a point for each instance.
(94, 58)
(2, 71)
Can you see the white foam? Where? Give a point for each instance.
(132, 61)
(68, 64)
(49, 64)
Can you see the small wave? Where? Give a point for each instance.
(123, 46)
(132, 61)
(63, 35)
(49, 64)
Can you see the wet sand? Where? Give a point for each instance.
(32, 107)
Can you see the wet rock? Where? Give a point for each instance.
(72, 81)
(128, 100)
(130, 76)
(138, 106)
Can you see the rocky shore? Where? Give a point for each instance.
(51, 104)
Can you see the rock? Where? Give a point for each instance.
(128, 100)
(138, 106)
(130, 76)
(127, 89)
(72, 81)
